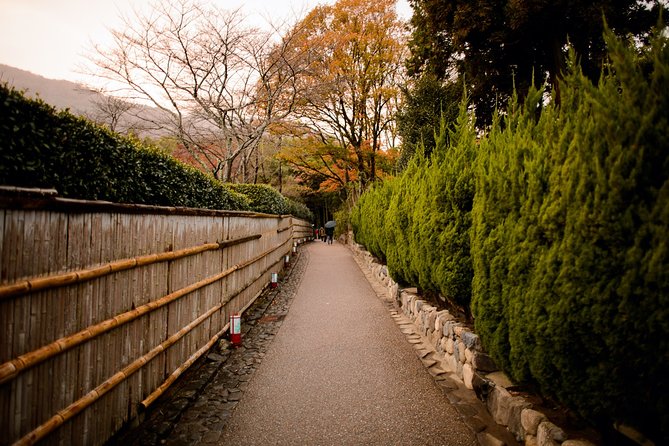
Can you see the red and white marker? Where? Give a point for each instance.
(235, 330)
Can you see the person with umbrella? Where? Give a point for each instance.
(329, 231)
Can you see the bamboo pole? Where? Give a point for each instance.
(12, 368)
(75, 277)
(179, 371)
(73, 409)
(182, 368)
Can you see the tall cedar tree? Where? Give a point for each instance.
(496, 43)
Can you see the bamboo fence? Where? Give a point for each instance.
(103, 306)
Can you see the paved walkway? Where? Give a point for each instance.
(340, 372)
(334, 370)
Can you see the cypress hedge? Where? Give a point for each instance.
(558, 220)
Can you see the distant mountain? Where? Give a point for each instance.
(81, 100)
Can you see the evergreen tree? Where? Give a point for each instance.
(499, 45)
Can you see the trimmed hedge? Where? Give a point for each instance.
(558, 219)
(264, 198)
(42, 147)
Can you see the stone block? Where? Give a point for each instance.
(500, 379)
(482, 386)
(435, 339)
(448, 328)
(458, 329)
(516, 408)
(483, 363)
(577, 443)
(450, 346)
(441, 347)
(393, 291)
(487, 439)
(450, 363)
(461, 352)
(431, 319)
(442, 317)
(469, 355)
(419, 304)
(437, 331)
(530, 420)
(530, 440)
(458, 368)
(467, 376)
(549, 434)
(471, 340)
(498, 402)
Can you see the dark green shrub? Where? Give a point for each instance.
(399, 222)
(263, 198)
(369, 216)
(40, 147)
(571, 269)
(299, 210)
(444, 228)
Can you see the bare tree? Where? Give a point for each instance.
(220, 84)
(112, 112)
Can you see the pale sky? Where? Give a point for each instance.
(50, 37)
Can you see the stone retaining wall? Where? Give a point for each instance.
(461, 352)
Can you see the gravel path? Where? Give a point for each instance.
(340, 372)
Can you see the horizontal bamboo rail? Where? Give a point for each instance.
(73, 409)
(82, 403)
(74, 277)
(175, 375)
(12, 368)
(83, 308)
(182, 368)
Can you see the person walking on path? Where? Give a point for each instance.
(321, 232)
(340, 372)
(329, 232)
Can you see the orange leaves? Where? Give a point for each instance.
(349, 93)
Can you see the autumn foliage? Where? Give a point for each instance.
(348, 93)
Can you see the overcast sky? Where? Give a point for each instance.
(50, 37)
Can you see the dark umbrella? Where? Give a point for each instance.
(330, 224)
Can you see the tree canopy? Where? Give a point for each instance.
(347, 96)
(497, 45)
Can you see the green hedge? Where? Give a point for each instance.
(264, 198)
(41, 147)
(571, 213)
(558, 219)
